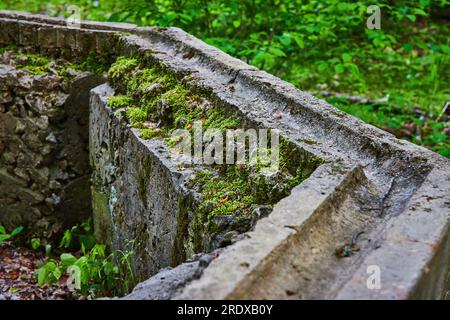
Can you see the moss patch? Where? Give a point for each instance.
(117, 102)
(157, 102)
(155, 96)
(37, 64)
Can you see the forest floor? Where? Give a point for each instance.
(18, 280)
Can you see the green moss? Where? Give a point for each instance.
(93, 63)
(118, 102)
(37, 64)
(156, 97)
(299, 164)
(150, 133)
(235, 190)
(121, 67)
(138, 84)
(224, 194)
(12, 48)
(216, 119)
(155, 94)
(137, 116)
(176, 96)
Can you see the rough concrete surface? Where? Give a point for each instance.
(169, 281)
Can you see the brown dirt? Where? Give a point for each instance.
(17, 276)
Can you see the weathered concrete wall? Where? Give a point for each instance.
(142, 194)
(137, 192)
(44, 170)
(376, 201)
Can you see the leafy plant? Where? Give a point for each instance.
(81, 234)
(5, 236)
(90, 270)
(35, 243)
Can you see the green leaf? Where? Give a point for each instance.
(419, 12)
(411, 17)
(42, 274)
(82, 261)
(2, 230)
(346, 57)
(299, 41)
(35, 243)
(277, 52)
(68, 259)
(262, 57)
(87, 241)
(323, 66)
(66, 239)
(57, 273)
(4, 237)
(354, 70)
(16, 231)
(339, 68)
(48, 249)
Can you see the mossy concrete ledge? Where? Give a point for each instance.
(369, 219)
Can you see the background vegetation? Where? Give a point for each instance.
(395, 78)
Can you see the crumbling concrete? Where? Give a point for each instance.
(376, 201)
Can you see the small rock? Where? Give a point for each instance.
(51, 138)
(21, 173)
(46, 82)
(20, 127)
(5, 97)
(54, 200)
(42, 122)
(54, 185)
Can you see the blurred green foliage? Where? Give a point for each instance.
(319, 46)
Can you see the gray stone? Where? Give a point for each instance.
(51, 138)
(169, 281)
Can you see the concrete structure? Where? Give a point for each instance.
(375, 204)
(44, 167)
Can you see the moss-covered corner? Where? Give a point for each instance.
(156, 102)
(238, 190)
(39, 65)
(155, 99)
